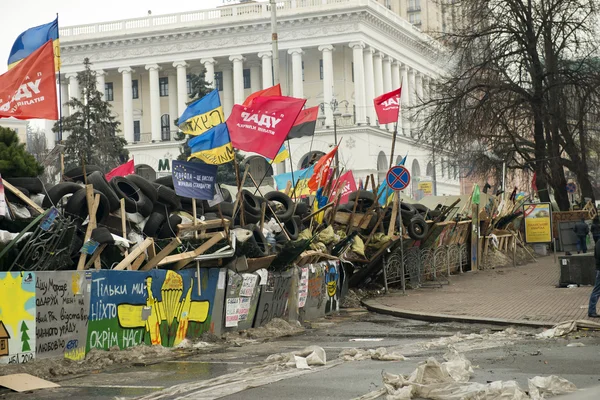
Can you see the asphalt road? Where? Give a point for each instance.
(222, 374)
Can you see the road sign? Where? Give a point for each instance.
(571, 187)
(398, 177)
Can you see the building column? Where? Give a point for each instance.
(328, 82)
(267, 68)
(387, 75)
(209, 71)
(378, 73)
(238, 78)
(173, 100)
(227, 90)
(101, 82)
(412, 99)
(127, 104)
(64, 94)
(369, 87)
(154, 102)
(49, 135)
(359, 81)
(396, 85)
(255, 72)
(297, 82)
(405, 99)
(74, 91)
(420, 96)
(182, 96)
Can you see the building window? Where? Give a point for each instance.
(137, 132)
(302, 71)
(247, 83)
(163, 86)
(352, 69)
(415, 18)
(165, 127)
(108, 91)
(414, 5)
(189, 84)
(219, 80)
(321, 69)
(135, 93)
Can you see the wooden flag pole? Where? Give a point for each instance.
(195, 215)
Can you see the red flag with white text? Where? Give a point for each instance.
(321, 172)
(122, 170)
(346, 184)
(28, 91)
(387, 106)
(263, 126)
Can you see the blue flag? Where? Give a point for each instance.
(194, 180)
(32, 39)
(202, 115)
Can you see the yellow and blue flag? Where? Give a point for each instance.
(34, 38)
(202, 115)
(213, 147)
(283, 155)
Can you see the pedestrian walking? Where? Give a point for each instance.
(595, 229)
(581, 230)
(596, 291)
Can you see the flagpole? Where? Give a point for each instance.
(60, 104)
(292, 169)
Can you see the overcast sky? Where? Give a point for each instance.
(20, 15)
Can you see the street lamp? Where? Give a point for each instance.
(334, 107)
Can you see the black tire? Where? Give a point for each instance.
(251, 202)
(301, 209)
(135, 201)
(364, 198)
(145, 186)
(292, 229)
(161, 209)
(421, 209)
(165, 181)
(226, 194)
(169, 228)
(57, 192)
(227, 209)
(78, 206)
(33, 185)
(14, 199)
(102, 235)
(417, 228)
(168, 197)
(100, 184)
(285, 200)
(76, 173)
(349, 206)
(154, 224)
(407, 212)
(257, 244)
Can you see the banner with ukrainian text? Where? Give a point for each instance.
(28, 91)
(194, 180)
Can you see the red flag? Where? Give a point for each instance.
(305, 124)
(533, 184)
(319, 177)
(263, 126)
(28, 91)
(346, 184)
(122, 170)
(387, 106)
(271, 91)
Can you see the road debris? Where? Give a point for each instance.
(564, 328)
(380, 354)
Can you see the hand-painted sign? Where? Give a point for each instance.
(538, 222)
(398, 177)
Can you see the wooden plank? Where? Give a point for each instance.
(395, 205)
(135, 253)
(124, 223)
(203, 225)
(92, 222)
(24, 198)
(194, 253)
(151, 252)
(138, 261)
(95, 256)
(168, 249)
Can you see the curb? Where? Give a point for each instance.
(374, 306)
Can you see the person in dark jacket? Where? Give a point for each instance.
(581, 230)
(595, 229)
(596, 291)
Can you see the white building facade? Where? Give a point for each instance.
(338, 54)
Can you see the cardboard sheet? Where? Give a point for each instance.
(25, 382)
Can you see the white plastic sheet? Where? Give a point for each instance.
(540, 386)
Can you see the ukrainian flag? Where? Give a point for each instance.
(32, 39)
(213, 147)
(283, 155)
(202, 115)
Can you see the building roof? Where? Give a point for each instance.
(3, 332)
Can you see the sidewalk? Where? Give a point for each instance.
(525, 295)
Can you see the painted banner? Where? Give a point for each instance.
(538, 222)
(63, 303)
(17, 317)
(347, 185)
(194, 180)
(28, 91)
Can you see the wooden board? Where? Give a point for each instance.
(194, 253)
(25, 382)
(21, 196)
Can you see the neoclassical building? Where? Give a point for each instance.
(338, 54)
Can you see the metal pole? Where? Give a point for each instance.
(337, 163)
(434, 178)
(503, 176)
(274, 44)
(385, 266)
(401, 233)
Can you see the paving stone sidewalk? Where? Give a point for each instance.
(523, 294)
